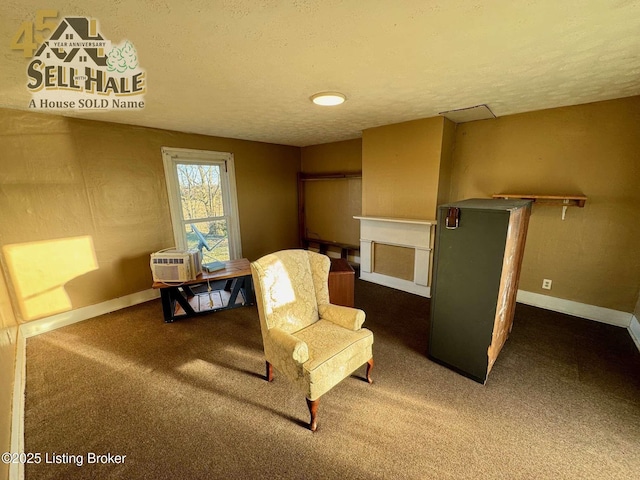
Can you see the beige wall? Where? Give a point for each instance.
(406, 170)
(400, 169)
(8, 336)
(446, 162)
(75, 186)
(345, 156)
(330, 205)
(636, 312)
(593, 256)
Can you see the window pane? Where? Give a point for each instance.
(211, 238)
(200, 190)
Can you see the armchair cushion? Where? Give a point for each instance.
(347, 317)
(334, 353)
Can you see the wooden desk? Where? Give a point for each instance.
(179, 300)
(341, 283)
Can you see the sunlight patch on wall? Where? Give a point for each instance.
(40, 270)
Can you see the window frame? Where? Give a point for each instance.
(171, 157)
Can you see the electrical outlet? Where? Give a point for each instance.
(546, 284)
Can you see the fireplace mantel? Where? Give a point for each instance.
(402, 232)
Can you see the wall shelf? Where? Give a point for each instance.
(563, 201)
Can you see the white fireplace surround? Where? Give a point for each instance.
(401, 232)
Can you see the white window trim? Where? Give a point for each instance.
(172, 156)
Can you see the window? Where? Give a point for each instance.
(202, 199)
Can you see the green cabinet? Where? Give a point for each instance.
(478, 255)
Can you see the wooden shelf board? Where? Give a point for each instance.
(328, 176)
(397, 220)
(561, 200)
(331, 243)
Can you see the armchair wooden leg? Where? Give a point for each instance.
(369, 368)
(269, 373)
(313, 410)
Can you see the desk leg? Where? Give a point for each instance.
(235, 289)
(188, 291)
(169, 296)
(250, 296)
(245, 285)
(183, 301)
(167, 308)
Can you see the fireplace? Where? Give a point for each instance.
(405, 239)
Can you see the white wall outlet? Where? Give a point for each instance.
(546, 284)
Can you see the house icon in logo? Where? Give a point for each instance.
(77, 41)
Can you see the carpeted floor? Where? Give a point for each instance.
(188, 400)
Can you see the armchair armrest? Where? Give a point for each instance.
(347, 317)
(288, 346)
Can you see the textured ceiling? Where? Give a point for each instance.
(246, 68)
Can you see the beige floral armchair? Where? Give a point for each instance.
(308, 340)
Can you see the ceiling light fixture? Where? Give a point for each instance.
(328, 99)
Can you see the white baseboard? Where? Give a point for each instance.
(397, 283)
(16, 470)
(53, 322)
(634, 331)
(582, 310)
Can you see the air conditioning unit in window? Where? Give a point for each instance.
(171, 265)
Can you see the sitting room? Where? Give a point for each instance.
(213, 211)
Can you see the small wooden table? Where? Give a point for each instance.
(179, 300)
(341, 283)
